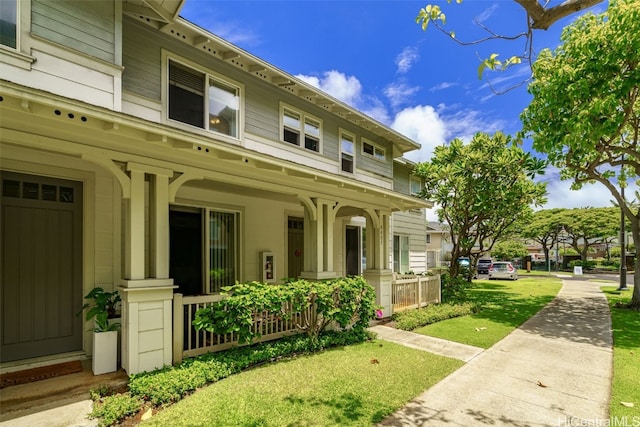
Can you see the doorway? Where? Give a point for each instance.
(295, 246)
(185, 250)
(353, 260)
(41, 264)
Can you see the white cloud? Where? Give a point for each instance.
(400, 93)
(424, 125)
(442, 86)
(487, 13)
(345, 88)
(406, 58)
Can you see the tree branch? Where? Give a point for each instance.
(542, 19)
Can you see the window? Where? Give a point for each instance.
(373, 150)
(401, 254)
(219, 112)
(415, 186)
(9, 23)
(347, 142)
(297, 126)
(223, 250)
(428, 239)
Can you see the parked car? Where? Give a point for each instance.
(483, 265)
(503, 270)
(464, 262)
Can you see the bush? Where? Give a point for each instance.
(454, 290)
(112, 409)
(587, 265)
(349, 302)
(412, 319)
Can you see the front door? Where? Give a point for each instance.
(352, 251)
(295, 244)
(185, 250)
(41, 266)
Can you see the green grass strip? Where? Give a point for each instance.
(505, 305)
(625, 389)
(357, 385)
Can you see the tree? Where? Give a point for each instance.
(589, 227)
(482, 188)
(506, 250)
(585, 113)
(544, 229)
(539, 16)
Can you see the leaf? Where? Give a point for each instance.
(148, 414)
(540, 384)
(627, 404)
(481, 329)
(375, 361)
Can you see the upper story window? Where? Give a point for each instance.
(347, 144)
(415, 186)
(428, 239)
(298, 127)
(199, 99)
(373, 150)
(9, 23)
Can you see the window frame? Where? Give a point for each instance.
(397, 258)
(303, 119)
(209, 76)
(414, 179)
(352, 137)
(375, 147)
(16, 48)
(207, 217)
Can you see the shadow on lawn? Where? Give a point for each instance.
(627, 326)
(344, 408)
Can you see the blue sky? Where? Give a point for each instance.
(373, 56)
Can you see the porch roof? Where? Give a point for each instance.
(113, 139)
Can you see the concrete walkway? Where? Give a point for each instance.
(555, 370)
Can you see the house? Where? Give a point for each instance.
(148, 155)
(438, 244)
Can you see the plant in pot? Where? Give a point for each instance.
(101, 308)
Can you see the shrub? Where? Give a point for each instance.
(112, 409)
(587, 265)
(349, 302)
(412, 319)
(454, 289)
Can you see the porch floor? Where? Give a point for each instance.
(42, 396)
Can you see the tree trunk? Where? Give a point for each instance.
(635, 298)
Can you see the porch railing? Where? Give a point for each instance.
(188, 342)
(410, 291)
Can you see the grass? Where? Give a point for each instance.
(505, 306)
(626, 356)
(357, 385)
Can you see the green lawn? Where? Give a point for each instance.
(626, 357)
(357, 385)
(505, 306)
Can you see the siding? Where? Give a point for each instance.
(401, 177)
(142, 76)
(88, 27)
(413, 224)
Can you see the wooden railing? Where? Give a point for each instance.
(188, 342)
(410, 291)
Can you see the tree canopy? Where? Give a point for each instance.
(585, 113)
(482, 188)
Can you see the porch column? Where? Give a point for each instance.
(378, 273)
(319, 219)
(147, 309)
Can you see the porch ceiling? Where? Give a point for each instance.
(69, 127)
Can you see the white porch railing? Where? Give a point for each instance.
(410, 291)
(188, 342)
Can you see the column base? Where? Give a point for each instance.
(381, 282)
(318, 275)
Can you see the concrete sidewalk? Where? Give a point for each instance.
(555, 370)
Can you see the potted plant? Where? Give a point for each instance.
(102, 309)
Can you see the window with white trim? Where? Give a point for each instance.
(199, 99)
(415, 186)
(9, 23)
(347, 157)
(299, 128)
(373, 150)
(223, 249)
(401, 254)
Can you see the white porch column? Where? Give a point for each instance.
(147, 309)
(378, 273)
(319, 218)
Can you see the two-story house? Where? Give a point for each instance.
(142, 153)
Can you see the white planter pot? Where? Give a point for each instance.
(105, 352)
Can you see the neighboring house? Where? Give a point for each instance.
(438, 244)
(143, 153)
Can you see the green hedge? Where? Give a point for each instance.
(413, 319)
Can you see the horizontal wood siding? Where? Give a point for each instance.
(370, 164)
(413, 223)
(401, 177)
(86, 26)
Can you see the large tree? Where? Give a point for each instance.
(544, 229)
(539, 15)
(585, 113)
(482, 188)
(588, 227)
